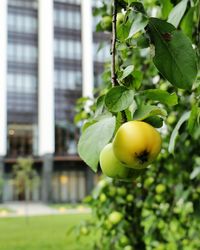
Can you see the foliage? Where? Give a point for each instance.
(141, 40)
(163, 211)
(25, 177)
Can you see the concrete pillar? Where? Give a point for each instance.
(87, 48)
(46, 182)
(89, 180)
(1, 178)
(46, 141)
(3, 77)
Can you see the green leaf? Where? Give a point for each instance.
(162, 96)
(193, 119)
(137, 6)
(138, 77)
(87, 125)
(155, 121)
(166, 7)
(174, 134)
(139, 23)
(119, 98)
(195, 173)
(187, 21)
(145, 111)
(174, 55)
(93, 140)
(127, 71)
(177, 13)
(99, 105)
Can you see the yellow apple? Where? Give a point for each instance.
(136, 144)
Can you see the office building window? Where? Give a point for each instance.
(69, 186)
(66, 138)
(26, 53)
(67, 18)
(23, 83)
(22, 139)
(68, 49)
(22, 22)
(68, 79)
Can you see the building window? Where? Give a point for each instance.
(20, 22)
(68, 49)
(67, 79)
(66, 136)
(23, 83)
(67, 18)
(26, 53)
(69, 186)
(22, 139)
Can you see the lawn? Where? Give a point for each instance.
(41, 233)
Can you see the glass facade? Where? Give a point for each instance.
(22, 77)
(69, 181)
(67, 73)
(69, 186)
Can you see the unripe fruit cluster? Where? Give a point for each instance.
(135, 146)
(106, 22)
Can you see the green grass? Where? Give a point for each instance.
(42, 233)
(67, 205)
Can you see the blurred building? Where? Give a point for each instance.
(48, 59)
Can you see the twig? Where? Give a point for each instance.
(113, 53)
(113, 46)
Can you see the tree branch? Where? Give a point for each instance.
(113, 53)
(113, 46)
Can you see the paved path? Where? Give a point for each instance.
(36, 209)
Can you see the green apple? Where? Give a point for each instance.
(129, 197)
(115, 217)
(121, 191)
(160, 188)
(102, 198)
(84, 231)
(148, 182)
(120, 19)
(124, 241)
(112, 191)
(129, 247)
(112, 167)
(106, 23)
(158, 198)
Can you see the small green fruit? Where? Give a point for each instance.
(129, 197)
(129, 247)
(171, 119)
(124, 241)
(120, 19)
(121, 191)
(112, 191)
(106, 23)
(160, 188)
(158, 198)
(115, 217)
(84, 231)
(102, 198)
(148, 182)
